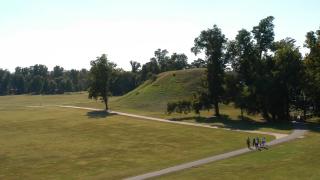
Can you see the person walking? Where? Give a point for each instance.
(248, 142)
(263, 142)
(260, 142)
(253, 142)
(257, 142)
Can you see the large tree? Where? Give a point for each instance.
(287, 78)
(161, 56)
(242, 56)
(212, 43)
(264, 35)
(135, 66)
(269, 74)
(4, 81)
(312, 64)
(178, 61)
(100, 77)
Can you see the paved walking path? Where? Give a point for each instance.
(276, 135)
(298, 132)
(280, 138)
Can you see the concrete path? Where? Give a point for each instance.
(280, 138)
(276, 135)
(298, 132)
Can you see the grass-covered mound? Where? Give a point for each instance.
(154, 95)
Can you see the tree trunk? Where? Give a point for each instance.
(287, 106)
(287, 113)
(273, 117)
(304, 110)
(216, 108)
(105, 99)
(241, 113)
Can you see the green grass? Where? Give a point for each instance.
(151, 98)
(57, 143)
(298, 159)
(63, 143)
(154, 96)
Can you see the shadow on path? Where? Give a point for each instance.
(313, 126)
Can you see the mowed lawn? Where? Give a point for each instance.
(77, 98)
(230, 115)
(63, 143)
(299, 159)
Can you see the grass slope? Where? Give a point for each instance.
(151, 99)
(154, 96)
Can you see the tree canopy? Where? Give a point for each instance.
(213, 42)
(100, 75)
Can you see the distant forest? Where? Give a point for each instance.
(38, 79)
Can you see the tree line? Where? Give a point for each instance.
(38, 79)
(266, 76)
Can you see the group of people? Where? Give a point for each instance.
(257, 143)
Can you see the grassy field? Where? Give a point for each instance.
(150, 99)
(230, 118)
(60, 143)
(298, 159)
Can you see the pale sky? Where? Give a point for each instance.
(70, 33)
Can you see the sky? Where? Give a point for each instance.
(71, 33)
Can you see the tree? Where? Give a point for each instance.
(178, 61)
(4, 82)
(312, 65)
(36, 84)
(261, 68)
(198, 63)
(83, 79)
(122, 82)
(149, 69)
(18, 81)
(240, 85)
(212, 42)
(264, 34)
(235, 91)
(73, 75)
(288, 77)
(135, 66)
(162, 59)
(100, 76)
(57, 71)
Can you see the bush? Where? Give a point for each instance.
(171, 107)
(183, 106)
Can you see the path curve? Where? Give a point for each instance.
(298, 132)
(280, 138)
(276, 135)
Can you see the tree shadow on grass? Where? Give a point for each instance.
(313, 125)
(224, 121)
(99, 114)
